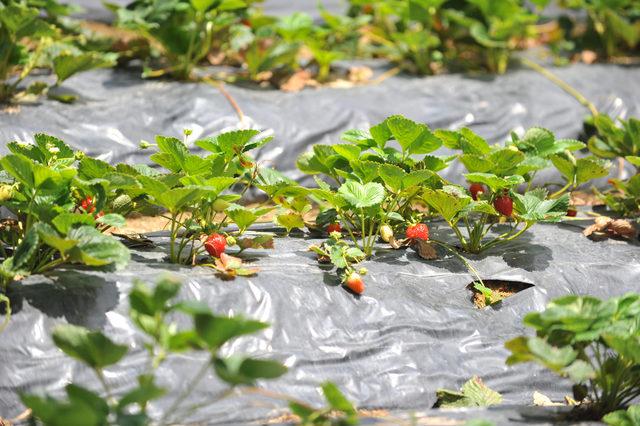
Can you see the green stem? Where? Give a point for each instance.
(561, 190)
(186, 392)
(562, 84)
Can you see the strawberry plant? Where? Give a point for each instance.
(495, 174)
(496, 28)
(58, 215)
(403, 32)
(611, 141)
(30, 38)
(624, 196)
(593, 343)
(185, 31)
(195, 193)
(155, 313)
(374, 182)
(613, 26)
(541, 149)
(629, 417)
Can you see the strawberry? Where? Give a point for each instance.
(99, 215)
(504, 205)
(475, 189)
(354, 283)
(419, 231)
(334, 227)
(215, 244)
(386, 233)
(572, 212)
(87, 205)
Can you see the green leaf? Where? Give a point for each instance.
(91, 347)
(533, 206)
(96, 249)
(216, 330)
(591, 168)
(65, 221)
(635, 160)
(630, 417)
(471, 143)
(66, 64)
(245, 371)
(350, 152)
(112, 219)
(51, 238)
(362, 196)
(495, 183)
(26, 250)
(146, 391)
(290, 221)
(337, 401)
(579, 371)
(448, 201)
(392, 176)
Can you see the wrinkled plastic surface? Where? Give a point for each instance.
(117, 109)
(413, 331)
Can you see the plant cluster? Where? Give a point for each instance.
(154, 312)
(384, 183)
(60, 208)
(33, 36)
(622, 142)
(593, 343)
(612, 28)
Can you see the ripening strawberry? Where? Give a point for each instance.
(419, 231)
(334, 227)
(475, 189)
(354, 283)
(504, 205)
(572, 212)
(215, 244)
(87, 205)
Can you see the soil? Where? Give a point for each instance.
(501, 290)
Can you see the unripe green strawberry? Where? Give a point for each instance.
(386, 233)
(220, 205)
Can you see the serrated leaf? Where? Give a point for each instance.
(495, 183)
(362, 196)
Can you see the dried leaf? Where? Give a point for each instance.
(261, 241)
(544, 401)
(425, 250)
(360, 74)
(297, 81)
(622, 228)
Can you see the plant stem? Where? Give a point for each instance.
(562, 84)
(186, 392)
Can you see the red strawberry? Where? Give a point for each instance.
(475, 189)
(87, 205)
(572, 212)
(354, 283)
(504, 205)
(419, 231)
(334, 227)
(215, 244)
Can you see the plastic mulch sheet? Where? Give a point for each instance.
(413, 331)
(117, 109)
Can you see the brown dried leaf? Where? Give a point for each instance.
(425, 250)
(297, 81)
(622, 228)
(360, 74)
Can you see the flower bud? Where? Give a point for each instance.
(144, 145)
(231, 241)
